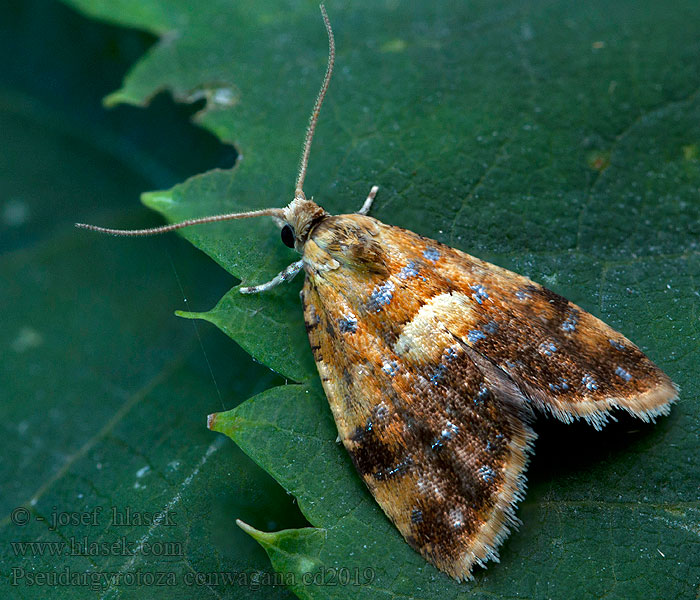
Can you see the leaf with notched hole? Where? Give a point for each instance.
(478, 123)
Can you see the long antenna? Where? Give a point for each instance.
(299, 192)
(271, 212)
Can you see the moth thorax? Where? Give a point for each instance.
(302, 215)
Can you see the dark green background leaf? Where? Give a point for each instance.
(559, 140)
(104, 391)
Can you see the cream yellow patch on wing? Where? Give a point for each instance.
(425, 337)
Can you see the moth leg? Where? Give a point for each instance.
(287, 275)
(368, 202)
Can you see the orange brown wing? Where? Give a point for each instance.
(564, 360)
(441, 446)
(431, 359)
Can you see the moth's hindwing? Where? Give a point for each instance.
(431, 360)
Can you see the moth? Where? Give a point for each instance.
(434, 361)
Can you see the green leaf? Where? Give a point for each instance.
(104, 392)
(559, 140)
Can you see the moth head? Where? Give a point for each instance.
(300, 217)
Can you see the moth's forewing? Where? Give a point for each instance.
(431, 360)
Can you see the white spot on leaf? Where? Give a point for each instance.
(27, 338)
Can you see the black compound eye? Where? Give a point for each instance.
(287, 234)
